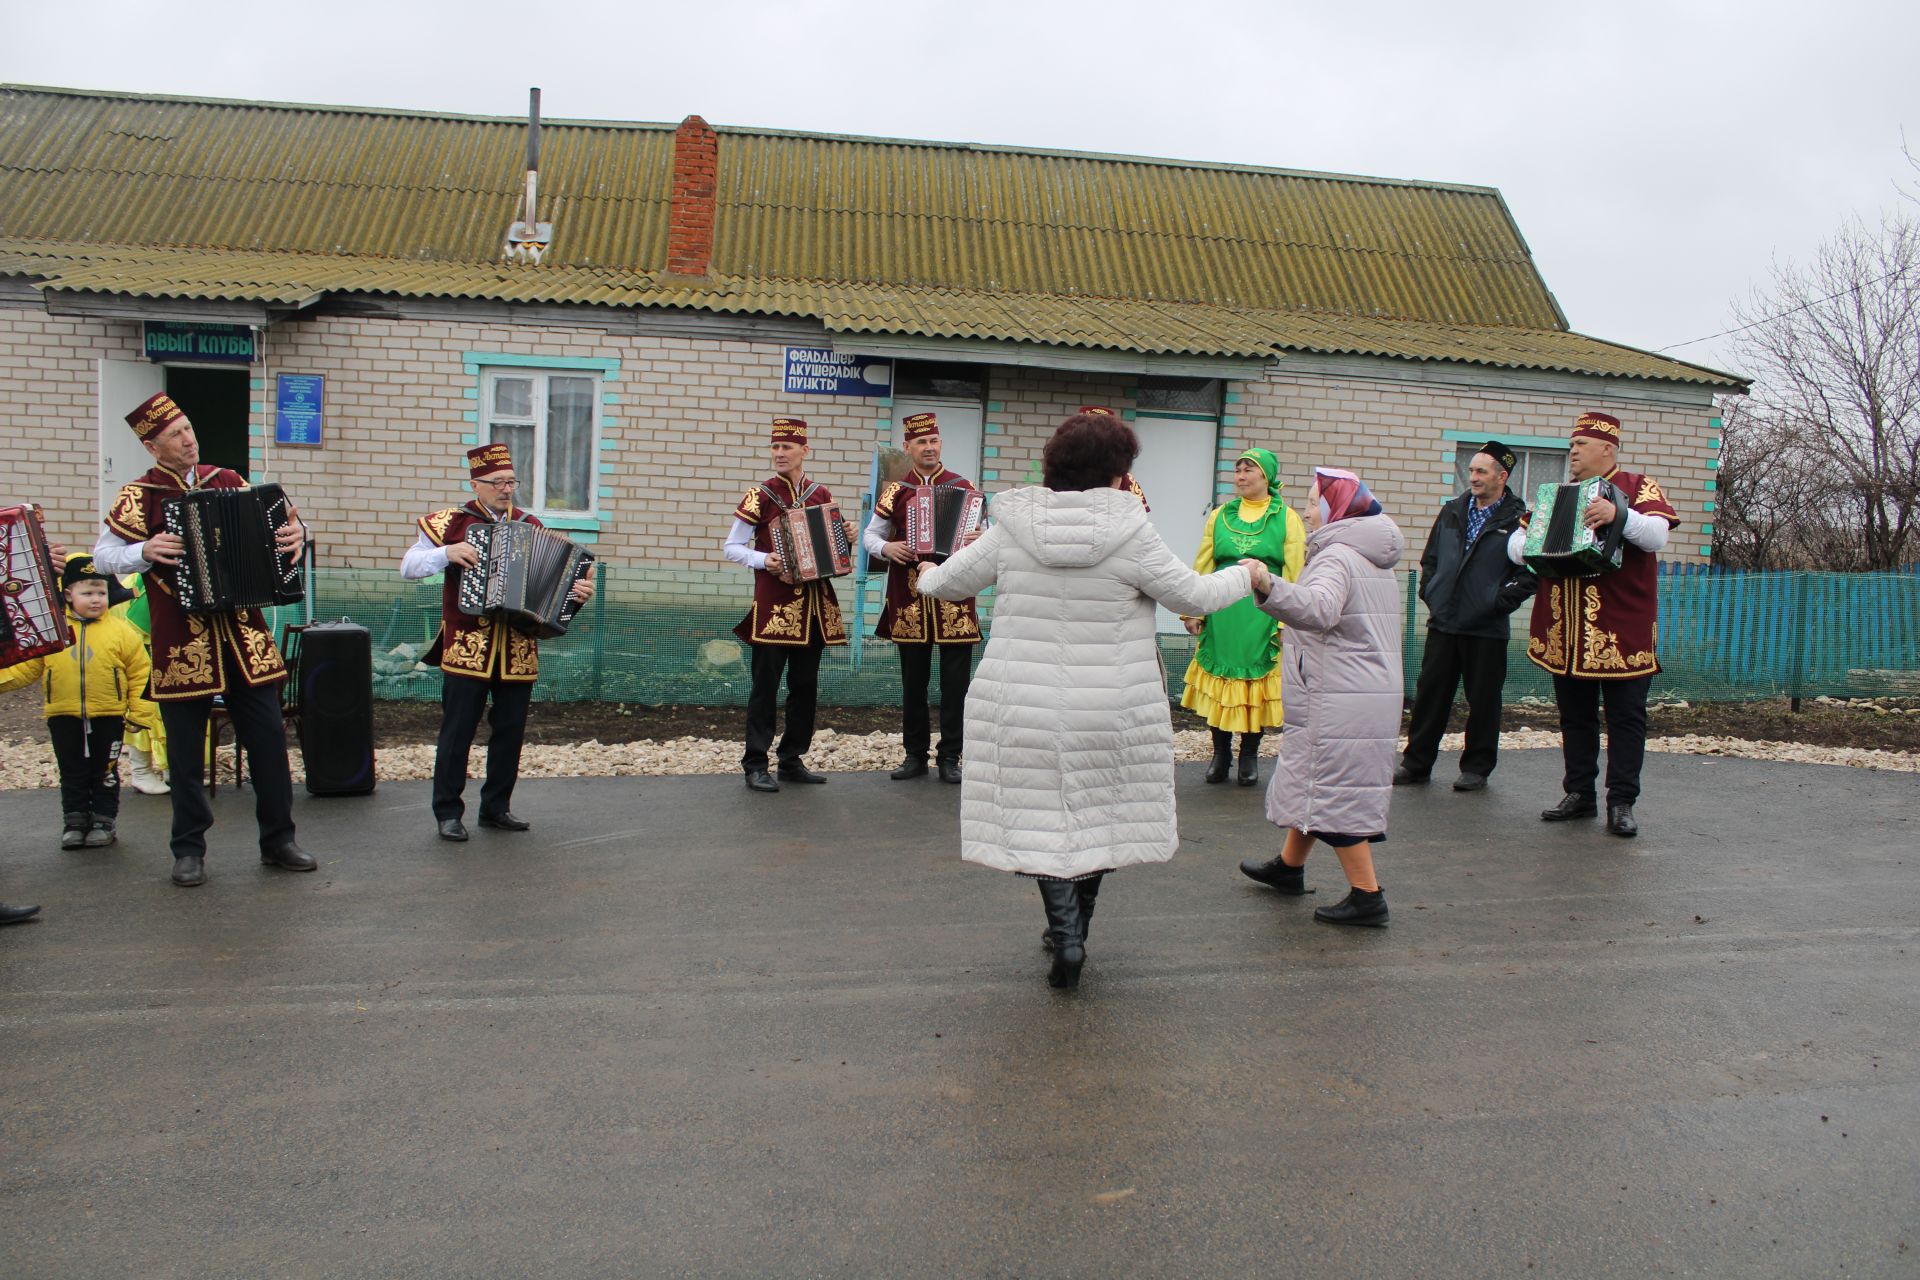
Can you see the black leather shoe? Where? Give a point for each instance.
(797, 771)
(761, 780)
(288, 857)
(189, 871)
(1358, 907)
(10, 914)
(504, 822)
(453, 829)
(949, 771)
(1620, 820)
(1570, 807)
(1291, 881)
(911, 767)
(1470, 782)
(1405, 777)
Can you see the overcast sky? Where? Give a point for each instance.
(1657, 156)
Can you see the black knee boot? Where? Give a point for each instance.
(1249, 759)
(1062, 899)
(1222, 756)
(1089, 889)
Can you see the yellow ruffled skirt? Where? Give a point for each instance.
(1237, 706)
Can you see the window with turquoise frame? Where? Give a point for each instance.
(549, 419)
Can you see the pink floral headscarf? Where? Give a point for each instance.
(1343, 495)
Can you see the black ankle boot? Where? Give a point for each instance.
(1291, 881)
(1062, 900)
(74, 836)
(1360, 906)
(1249, 759)
(1222, 756)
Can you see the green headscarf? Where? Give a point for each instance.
(1264, 459)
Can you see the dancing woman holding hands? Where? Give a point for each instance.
(1069, 736)
(1233, 681)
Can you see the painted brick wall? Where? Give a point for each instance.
(49, 393)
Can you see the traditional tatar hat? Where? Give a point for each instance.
(155, 414)
(1506, 457)
(81, 568)
(1098, 411)
(487, 459)
(1597, 426)
(789, 431)
(915, 425)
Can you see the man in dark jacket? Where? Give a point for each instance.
(1470, 587)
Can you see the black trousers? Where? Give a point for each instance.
(916, 669)
(462, 698)
(1452, 660)
(89, 782)
(801, 663)
(255, 712)
(1626, 704)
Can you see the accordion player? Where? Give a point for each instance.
(33, 620)
(812, 543)
(939, 517)
(229, 558)
(1559, 544)
(526, 575)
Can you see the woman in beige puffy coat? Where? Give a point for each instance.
(1342, 688)
(1069, 737)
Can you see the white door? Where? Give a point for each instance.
(1176, 470)
(959, 431)
(123, 459)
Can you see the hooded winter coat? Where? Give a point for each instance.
(1340, 680)
(1069, 736)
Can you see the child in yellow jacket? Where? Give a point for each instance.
(94, 688)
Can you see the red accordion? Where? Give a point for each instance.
(812, 543)
(939, 518)
(33, 616)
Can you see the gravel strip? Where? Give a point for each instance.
(29, 764)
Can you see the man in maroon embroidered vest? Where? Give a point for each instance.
(917, 624)
(789, 623)
(1598, 635)
(199, 655)
(479, 658)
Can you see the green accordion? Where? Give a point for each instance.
(1559, 543)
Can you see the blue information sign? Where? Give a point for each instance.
(821, 371)
(297, 418)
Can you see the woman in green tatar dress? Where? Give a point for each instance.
(1233, 681)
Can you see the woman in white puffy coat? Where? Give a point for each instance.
(1069, 768)
(1341, 687)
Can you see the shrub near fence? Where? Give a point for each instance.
(661, 637)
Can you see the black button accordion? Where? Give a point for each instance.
(33, 617)
(230, 559)
(525, 575)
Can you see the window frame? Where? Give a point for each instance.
(483, 367)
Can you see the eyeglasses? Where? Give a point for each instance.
(509, 483)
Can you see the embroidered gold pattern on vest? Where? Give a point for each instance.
(190, 663)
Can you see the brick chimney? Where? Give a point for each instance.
(696, 152)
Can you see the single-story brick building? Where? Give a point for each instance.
(324, 290)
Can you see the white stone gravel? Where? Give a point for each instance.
(29, 764)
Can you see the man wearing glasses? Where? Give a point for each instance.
(479, 658)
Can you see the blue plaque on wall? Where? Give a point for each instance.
(298, 416)
(821, 371)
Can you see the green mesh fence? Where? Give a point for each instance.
(663, 636)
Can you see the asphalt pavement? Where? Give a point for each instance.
(680, 1029)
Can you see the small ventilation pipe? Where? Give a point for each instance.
(527, 239)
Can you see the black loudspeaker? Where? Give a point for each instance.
(336, 708)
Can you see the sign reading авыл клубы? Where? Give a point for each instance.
(821, 371)
(178, 341)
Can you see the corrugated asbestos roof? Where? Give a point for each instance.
(283, 204)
